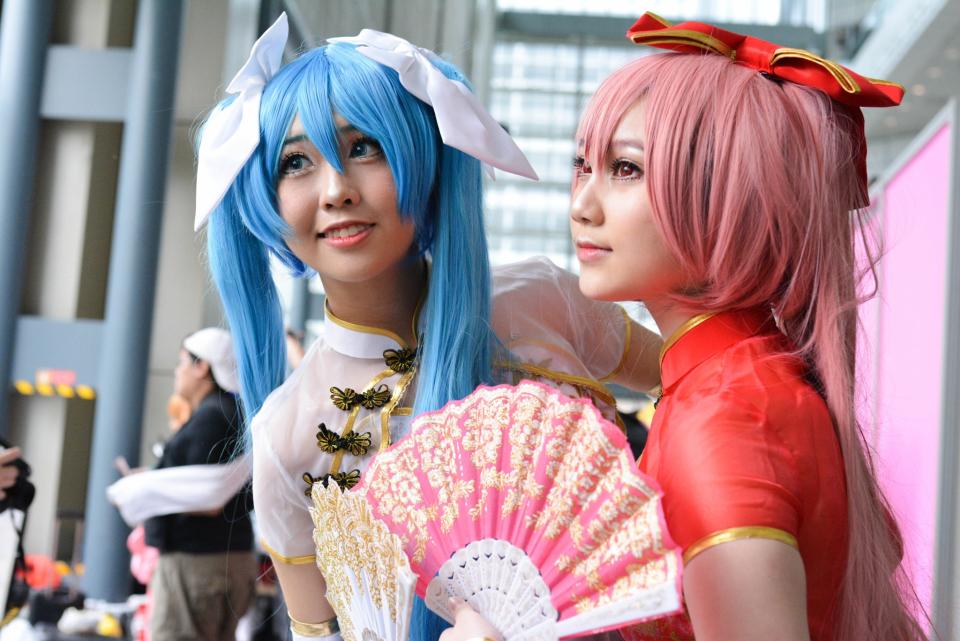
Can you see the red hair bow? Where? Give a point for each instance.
(792, 65)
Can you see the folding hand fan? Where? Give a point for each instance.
(369, 581)
(528, 505)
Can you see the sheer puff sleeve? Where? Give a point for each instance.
(727, 473)
(280, 505)
(542, 318)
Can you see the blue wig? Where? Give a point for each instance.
(438, 188)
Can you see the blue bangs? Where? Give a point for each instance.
(438, 187)
(322, 83)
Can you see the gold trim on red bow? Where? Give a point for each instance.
(798, 66)
(794, 65)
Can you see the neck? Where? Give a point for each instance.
(203, 390)
(388, 301)
(668, 316)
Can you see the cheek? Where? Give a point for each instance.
(296, 207)
(380, 188)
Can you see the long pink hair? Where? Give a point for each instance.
(751, 184)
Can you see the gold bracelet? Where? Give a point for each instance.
(322, 629)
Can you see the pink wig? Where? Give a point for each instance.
(751, 182)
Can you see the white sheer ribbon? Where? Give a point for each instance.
(175, 490)
(231, 133)
(463, 121)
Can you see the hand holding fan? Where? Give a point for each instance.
(528, 505)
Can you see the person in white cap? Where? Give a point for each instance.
(204, 579)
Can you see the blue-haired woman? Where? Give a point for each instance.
(360, 161)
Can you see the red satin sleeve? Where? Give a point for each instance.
(726, 472)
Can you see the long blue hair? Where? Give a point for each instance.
(438, 187)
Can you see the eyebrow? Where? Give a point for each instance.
(293, 139)
(627, 142)
(345, 129)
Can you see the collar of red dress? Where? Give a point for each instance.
(701, 338)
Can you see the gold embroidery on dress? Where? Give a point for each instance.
(345, 399)
(400, 360)
(374, 395)
(345, 480)
(331, 442)
(374, 398)
(310, 480)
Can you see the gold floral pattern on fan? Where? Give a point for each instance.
(368, 576)
(525, 463)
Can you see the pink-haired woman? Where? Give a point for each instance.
(716, 184)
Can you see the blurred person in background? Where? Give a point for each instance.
(8, 471)
(204, 578)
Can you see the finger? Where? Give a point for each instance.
(9, 455)
(460, 608)
(3, 495)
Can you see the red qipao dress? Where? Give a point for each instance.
(743, 446)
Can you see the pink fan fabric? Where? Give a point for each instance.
(546, 473)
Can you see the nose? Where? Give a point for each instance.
(585, 207)
(337, 191)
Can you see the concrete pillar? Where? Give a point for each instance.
(131, 286)
(24, 35)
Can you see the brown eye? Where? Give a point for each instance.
(625, 169)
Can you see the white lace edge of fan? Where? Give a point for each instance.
(371, 623)
(502, 584)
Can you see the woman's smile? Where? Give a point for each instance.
(346, 234)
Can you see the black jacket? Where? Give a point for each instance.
(212, 435)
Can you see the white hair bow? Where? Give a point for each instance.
(463, 122)
(231, 133)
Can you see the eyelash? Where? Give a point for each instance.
(286, 158)
(376, 150)
(579, 163)
(367, 140)
(620, 162)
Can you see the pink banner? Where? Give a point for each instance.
(902, 370)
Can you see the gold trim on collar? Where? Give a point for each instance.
(287, 560)
(322, 629)
(737, 534)
(682, 330)
(369, 329)
(365, 329)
